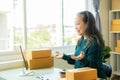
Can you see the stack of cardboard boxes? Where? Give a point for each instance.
(115, 25)
(117, 49)
(116, 22)
(39, 59)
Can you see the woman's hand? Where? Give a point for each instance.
(80, 57)
(73, 57)
(59, 55)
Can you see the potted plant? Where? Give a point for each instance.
(106, 53)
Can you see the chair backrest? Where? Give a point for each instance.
(108, 69)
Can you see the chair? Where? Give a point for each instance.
(108, 69)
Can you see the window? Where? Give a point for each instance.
(18, 9)
(6, 25)
(71, 8)
(38, 23)
(11, 24)
(51, 23)
(43, 23)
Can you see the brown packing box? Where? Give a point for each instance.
(117, 49)
(81, 74)
(36, 54)
(115, 4)
(115, 25)
(118, 43)
(116, 21)
(40, 63)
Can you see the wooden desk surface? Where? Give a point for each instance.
(47, 74)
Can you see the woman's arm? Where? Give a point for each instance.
(68, 58)
(79, 57)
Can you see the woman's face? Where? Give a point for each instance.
(80, 25)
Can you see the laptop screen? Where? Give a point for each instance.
(24, 60)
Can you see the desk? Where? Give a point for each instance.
(14, 74)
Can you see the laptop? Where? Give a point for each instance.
(25, 72)
(24, 60)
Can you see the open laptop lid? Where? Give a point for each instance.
(24, 60)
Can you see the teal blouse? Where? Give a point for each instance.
(93, 57)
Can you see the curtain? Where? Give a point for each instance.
(96, 4)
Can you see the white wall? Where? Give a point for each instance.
(104, 14)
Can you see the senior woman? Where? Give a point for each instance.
(88, 52)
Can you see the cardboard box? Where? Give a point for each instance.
(40, 63)
(115, 27)
(117, 49)
(36, 54)
(118, 43)
(115, 4)
(81, 74)
(116, 21)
